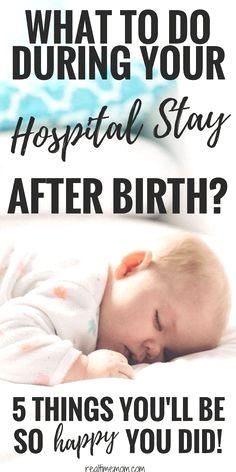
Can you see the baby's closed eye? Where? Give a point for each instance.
(157, 321)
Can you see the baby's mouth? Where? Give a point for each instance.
(130, 356)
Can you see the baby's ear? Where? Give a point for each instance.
(132, 263)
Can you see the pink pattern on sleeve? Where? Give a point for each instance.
(60, 292)
(42, 379)
(24, 263)
(22, 267)
(27, 347)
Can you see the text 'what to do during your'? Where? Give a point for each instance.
(78, 53)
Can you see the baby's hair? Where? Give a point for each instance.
(188, 255)
(184, 253)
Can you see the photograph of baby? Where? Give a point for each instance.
(82, 320)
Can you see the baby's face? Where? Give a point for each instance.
(152, 320)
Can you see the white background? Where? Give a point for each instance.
(199, 161)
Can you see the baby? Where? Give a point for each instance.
(62, 321)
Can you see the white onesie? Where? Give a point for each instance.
(49, 312)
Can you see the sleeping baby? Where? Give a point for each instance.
(64, 319)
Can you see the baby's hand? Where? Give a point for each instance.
(105, 363)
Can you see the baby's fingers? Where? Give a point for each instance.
(125, 371)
